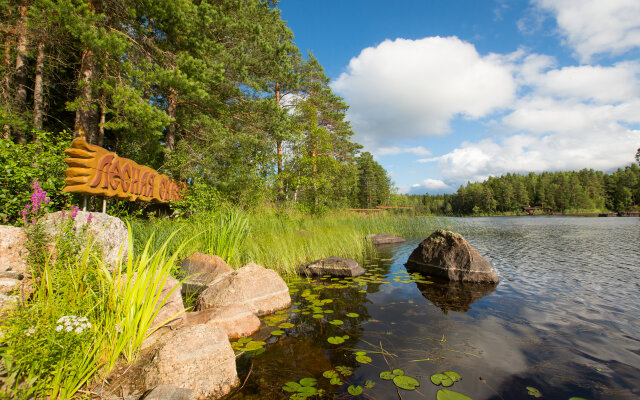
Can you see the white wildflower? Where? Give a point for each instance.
(59, 328)
(78, 330)
(68, 328)
(30, 331)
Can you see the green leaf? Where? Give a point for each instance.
(354, 390)
(363, 359)
(353, 315)
(446, 394)
(453, 375)
(308, 381)
(308, 390)
(531, 391)
(335, 381)
(277, 332)
(335, 340)
(388, 375)
(398, 371)
(369, 384)
(286, 325)
(406, 382)
(330, 374)
(336, 322)
(291, 387)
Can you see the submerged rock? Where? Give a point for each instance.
(202, 269)
(334, 266)
(449, 256)
(262, 291)
(385, 238)
(197, 358)
(236, 320)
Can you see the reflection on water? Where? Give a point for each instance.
(565, 319)
(455, 296)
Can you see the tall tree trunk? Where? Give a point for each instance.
(84, 114)
(6, 129)
(103, 117)
(170, 137)
(279, 153)
(38, 97)
(314, 154)
(21, 70)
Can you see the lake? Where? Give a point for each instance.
(564, 320)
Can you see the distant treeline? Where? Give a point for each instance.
(209, 92)
(552, 191)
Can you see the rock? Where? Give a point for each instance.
(262, 291)
(172, 311)
(13, 252)
(109, 231)
(9, 286)
(236, 320)
(385, 238)
(198, 358)
(335, 266)
(202, 269)
(168, 392)
(449, 256)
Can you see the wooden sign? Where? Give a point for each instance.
(97, 171)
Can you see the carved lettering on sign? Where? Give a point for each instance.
(97, 171)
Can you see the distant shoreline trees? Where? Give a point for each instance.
(552, 191)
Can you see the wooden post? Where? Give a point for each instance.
(84, 203)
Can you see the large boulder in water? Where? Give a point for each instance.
(334, 266)
(448, 255)
(262, 291)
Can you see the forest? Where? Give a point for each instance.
(585, 190)
(211, 92)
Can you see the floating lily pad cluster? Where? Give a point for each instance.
(400, 379)
(362, 357)
(337, 339)
(447, 379)
(248, 345)
(302, 389)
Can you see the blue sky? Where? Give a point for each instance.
(443, 92)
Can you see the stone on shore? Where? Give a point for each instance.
(385, 238)
(262, 291)
(172, 311)
(202, 269)
(334, 266)
(448, 255)
(110, 232)
(197, 358)
(13, 251)
(235, 319)
(168, 392)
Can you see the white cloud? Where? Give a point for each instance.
(432, 184)
(597, 26)
(405, 89)
(395, 150)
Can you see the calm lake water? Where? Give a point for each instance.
(564, 319)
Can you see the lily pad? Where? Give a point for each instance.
(335, 340)
(336, 322)
(446, 394)
(453, 375)
(363, 359)
(398, 372)
(330, 374)
(308, 382)
(387, 375)
(286, 325)
(355, 390)
(369, 384)
(318, 316)
(531, 391)
(406, 382)
(353, 315)
(291, 387)
(442, 379)
(277, 333)
(335, 381)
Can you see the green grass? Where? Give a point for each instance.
(281, 241)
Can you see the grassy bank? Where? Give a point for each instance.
(280, 241)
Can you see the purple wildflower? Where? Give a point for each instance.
(89, 218)
(74, 211)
